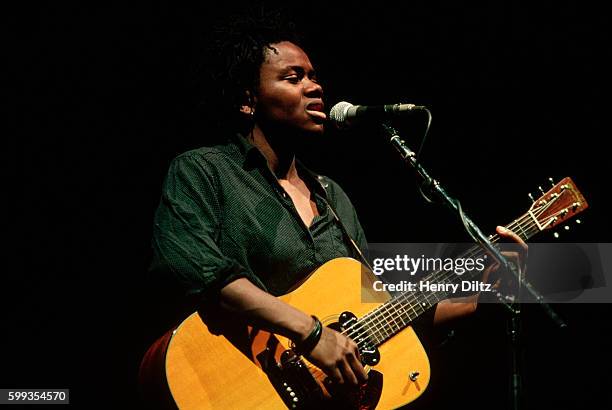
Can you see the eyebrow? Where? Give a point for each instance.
(298, 69)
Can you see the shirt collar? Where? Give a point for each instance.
(244, 152)
(250, 157)
(313, 180)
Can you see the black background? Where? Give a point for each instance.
(105, 99)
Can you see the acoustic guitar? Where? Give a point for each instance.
(231, 365)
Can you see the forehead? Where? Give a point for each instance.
(286, 55)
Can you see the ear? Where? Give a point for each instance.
(248, 104)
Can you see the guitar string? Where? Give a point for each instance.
(389, 309)
(390, 306)
(444, 275)
(373, 324)
(383, 309)
(377, 326)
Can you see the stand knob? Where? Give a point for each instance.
(413, 376)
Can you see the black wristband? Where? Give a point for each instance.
(307, 345)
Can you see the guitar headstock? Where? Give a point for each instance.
(562, 202)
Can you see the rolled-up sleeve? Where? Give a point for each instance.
(187, 227)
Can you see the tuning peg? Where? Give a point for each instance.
(541, 190)
(531, 197)
(556, 235)
(552, 182)
(566, 227)
(578, 221)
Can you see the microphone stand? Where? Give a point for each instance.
(514, 335)
(514, 323)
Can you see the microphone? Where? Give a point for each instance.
(345, 114)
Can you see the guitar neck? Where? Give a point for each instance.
(402, 309)
(562, 202)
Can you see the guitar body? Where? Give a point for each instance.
(238, 368)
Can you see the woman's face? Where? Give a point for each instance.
(289, 95)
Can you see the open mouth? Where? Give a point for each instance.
(315, 107)
(316, 110)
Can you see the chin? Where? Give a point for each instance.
(315, 132)
(317, 128)
(320, 129)
(309, 133)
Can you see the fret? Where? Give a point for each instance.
(379, 329)
(392, 314)
(371, 334)
(398, 314)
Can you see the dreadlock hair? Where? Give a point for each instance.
(236, 52)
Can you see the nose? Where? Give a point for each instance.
(313, 88)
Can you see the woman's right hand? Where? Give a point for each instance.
(338, 357)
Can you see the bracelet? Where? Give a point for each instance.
(307, 345)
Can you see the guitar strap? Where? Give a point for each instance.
(364, 260)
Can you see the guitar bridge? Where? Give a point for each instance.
(291, 379)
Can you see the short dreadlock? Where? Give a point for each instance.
(237, 50)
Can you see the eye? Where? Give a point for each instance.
(293, 79)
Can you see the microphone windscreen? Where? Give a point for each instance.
(338, 113)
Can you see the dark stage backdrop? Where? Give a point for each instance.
(105, 99)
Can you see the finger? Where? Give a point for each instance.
(347, 372)
(511, 255)
(507, 233)
(491, 268)
(522, 259)
(336, 375)
(519, 260)
(358, 369)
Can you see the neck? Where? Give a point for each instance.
(279, 154)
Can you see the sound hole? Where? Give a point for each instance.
(367, 350)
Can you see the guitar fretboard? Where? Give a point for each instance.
(400, 311)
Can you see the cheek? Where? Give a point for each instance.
(281, 102)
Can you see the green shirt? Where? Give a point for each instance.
(223, 215)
